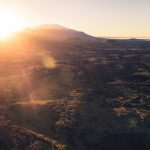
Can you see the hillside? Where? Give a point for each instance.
(57, 33)
(18, 138)
(84, 94)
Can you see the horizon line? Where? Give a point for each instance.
(108, 37)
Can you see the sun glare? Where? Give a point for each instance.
(9, 23)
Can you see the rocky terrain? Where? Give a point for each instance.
(13, 137)
(85, 94)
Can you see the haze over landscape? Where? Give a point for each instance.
(102, 18)
(74, 75)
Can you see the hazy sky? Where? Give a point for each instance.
(119, 18)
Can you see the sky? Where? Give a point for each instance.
(103, 18)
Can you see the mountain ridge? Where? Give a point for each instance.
(57, 33)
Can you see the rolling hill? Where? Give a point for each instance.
(57, 33)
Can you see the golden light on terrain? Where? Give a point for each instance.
(10, 22)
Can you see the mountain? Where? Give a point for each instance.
(57, 33)
(85, 95)
(136, 40)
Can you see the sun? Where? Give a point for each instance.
(10, 22)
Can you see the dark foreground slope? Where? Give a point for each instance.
(13, 137)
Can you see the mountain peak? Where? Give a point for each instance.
(55, 32)
(52, 26)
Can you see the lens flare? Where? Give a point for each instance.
(49, 62)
